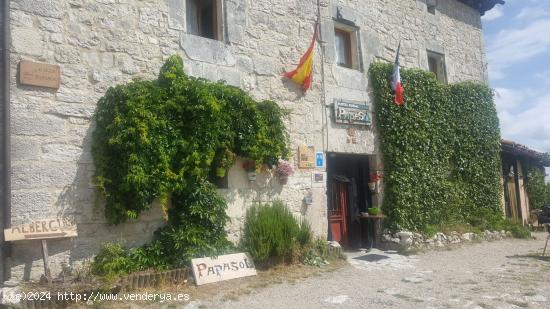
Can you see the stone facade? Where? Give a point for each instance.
(101, 43)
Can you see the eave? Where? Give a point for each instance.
(482, 5)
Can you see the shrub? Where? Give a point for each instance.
(271, 233)
(537, 189)
(112, 261)
(304, 233)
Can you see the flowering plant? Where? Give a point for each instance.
(375, 176)
(284, 169)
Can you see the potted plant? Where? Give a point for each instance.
(250, 168)
(283, 170)
(373, 211)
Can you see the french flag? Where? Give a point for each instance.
(396, 85)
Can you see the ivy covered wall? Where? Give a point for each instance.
(441, 150)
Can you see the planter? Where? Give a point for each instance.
(373, 211)
(252, 176)
(283, 180)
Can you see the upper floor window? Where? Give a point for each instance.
(204, 18)
(431, 5)
(346, 46)
(436, 65)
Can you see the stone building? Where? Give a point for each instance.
(100, 43)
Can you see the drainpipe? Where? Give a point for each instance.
(5, 180)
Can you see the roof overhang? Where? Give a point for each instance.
(513, 148)
(482, 5)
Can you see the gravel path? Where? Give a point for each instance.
(499, 274)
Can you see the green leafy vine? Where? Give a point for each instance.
(441, 150)
(163, 139)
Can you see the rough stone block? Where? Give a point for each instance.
(73, 110)
(32, 204)
(57, 152)
(24, 149)
(47, 8)
(29, 41)
(41, 125)
(206, 50)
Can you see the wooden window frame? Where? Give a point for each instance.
(217, 31)
(439, 59)
(347, 47)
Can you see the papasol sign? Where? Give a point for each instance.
(352, 112)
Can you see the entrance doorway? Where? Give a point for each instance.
(348, 195)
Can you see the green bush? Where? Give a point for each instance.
(441, 150)
(305, 234)
(158, 138)
(537, 189)
(271, 233)
(112, 261)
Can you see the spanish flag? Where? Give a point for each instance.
(303, 73)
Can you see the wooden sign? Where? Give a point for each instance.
(224, 267)
(39, 74)
(42, 229)
(306, 155)
(351, 112)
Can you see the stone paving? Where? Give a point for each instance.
(498, 274)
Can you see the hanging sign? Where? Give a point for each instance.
(306, 155)
(352, 113)
(42, 229)
(223, 267)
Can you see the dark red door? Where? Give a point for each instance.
(338, 212)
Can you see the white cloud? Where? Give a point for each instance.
(524, 117)
(512, 46)
(532, 13)
(493, 14)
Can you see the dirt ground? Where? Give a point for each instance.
(499, 274)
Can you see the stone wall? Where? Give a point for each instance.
(100, 43)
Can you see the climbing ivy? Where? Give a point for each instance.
(537, 189)
(157, 138)
(441, 150)
(164, 139)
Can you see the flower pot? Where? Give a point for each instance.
(252, 176)
(373, 211)
(283, 180)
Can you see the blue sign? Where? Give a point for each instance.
(319, 159)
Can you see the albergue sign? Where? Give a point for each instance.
(223, 267)
(42, 229)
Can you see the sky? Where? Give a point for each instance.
(517, 41)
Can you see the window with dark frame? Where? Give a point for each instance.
(343, 47)
(203, 18)
(436, 65)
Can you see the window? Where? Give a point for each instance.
(431, 5)
(204, 18)
(436, 65)
(346, 46)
